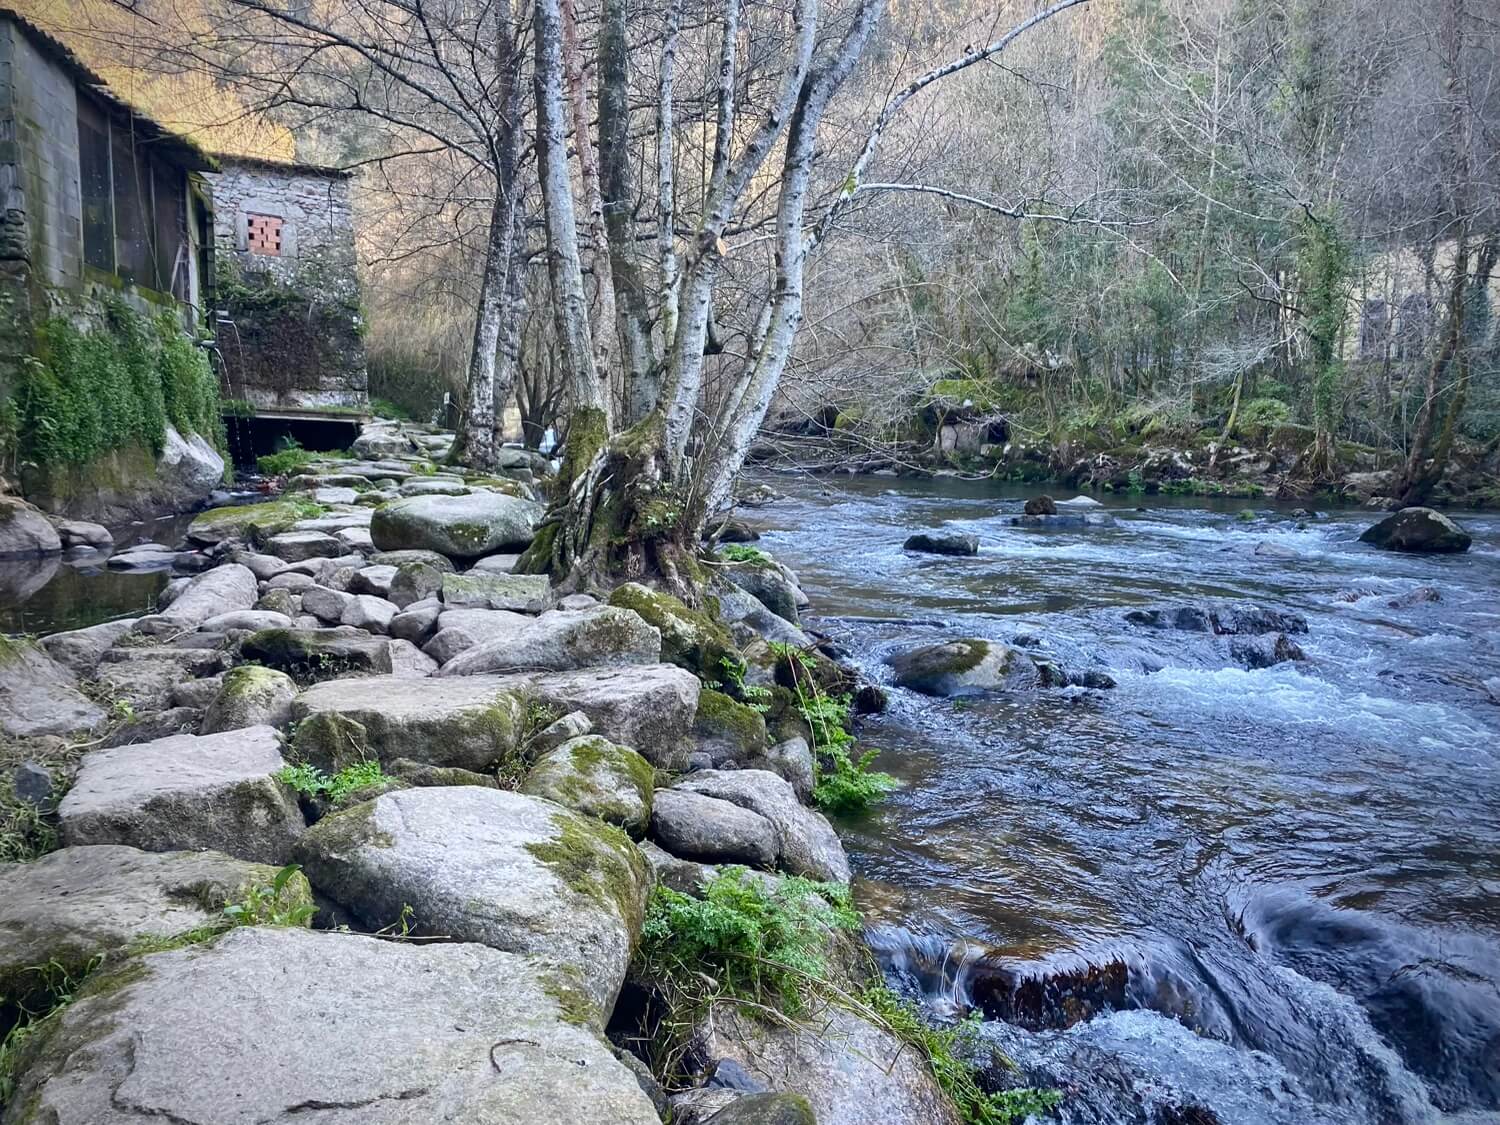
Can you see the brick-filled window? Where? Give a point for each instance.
(263, 234)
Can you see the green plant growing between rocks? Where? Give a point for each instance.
(312, 782)
(842, 783)
(61, 987)
(948, 1051)
(272, 904)
(754, 941)
(25, 831)
(739, 553)
(291, 458)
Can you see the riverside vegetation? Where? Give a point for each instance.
(335, 748)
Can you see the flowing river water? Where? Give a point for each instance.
(1270, 894)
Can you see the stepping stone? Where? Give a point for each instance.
(71, 905)
(564, 639)
(40, 696)
(187, 791)
(509, 871)
(278, 1026)
(528, 592)
(298, 546)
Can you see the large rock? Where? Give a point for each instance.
(250, 696)
(248, 620)
(40, 696)
(532, 592)
(466, 527)
(1418, 530)
(689, 638)
(188, 791)
(79, 650)
(648, 708)
(564, 639)
(461, 629)
(806, 842)
(401, 558)
(279, 1026)
(851, 1071)
(365, 611)
(942, 543)
(593, 776)
(1224, 619)
(729, 732)
(711, 830)
(248, 523)
(961, 666)
(71, 905)
(145, 677)
(503, 869)
(771, 584)
(319, 653)
(25, 532)
(299, 546)
(473, 722)
(188, 469)
(221, 590)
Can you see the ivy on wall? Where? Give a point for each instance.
(86, 394)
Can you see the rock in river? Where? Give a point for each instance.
(1420, 530)
(24, 531)
(271, 1025)
(805, 841)
(563, 639)
(503, 869)
(942, 543)
(961, 667)
(466, 527)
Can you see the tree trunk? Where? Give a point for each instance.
(474, 444)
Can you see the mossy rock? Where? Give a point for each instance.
(598, 778)
(727, 730)
(962, 667)
(689, 638)
(252, 523)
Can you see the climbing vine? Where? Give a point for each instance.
(120, 384)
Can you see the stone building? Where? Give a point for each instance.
(287, 301)
(107, 404)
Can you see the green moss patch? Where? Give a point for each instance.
(689, 639)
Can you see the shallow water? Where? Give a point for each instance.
(1288, 878)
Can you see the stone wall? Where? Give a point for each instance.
(291, 330)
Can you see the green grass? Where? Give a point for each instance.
(61, 987)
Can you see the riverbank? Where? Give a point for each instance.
(444, 845)
(1266, 464)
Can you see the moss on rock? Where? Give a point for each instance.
(598, 778)
(727, 728)
(689, 638)
(598, 862)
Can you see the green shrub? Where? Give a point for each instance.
(948, 1051)
(1264, 413)
(287, 461)
(739, 553)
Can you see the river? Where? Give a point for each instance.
(1271, 894)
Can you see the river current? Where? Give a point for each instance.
(1271, 894)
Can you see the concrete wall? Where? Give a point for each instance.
(291, 329)
(46, 114)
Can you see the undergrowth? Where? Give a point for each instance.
(60, 985)
(843, 782)
(313, 782)
(948, 1051)
(739, 553)
(25, 830)
(86, 394)
(759, 941)
(288, 460)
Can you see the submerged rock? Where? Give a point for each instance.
(1225, 619)
(464, 527)
(215, 791)
(1419, 530)
(1265, 651)
(343, 1028)
(503, 869)
(1040, 506)
(942, 543)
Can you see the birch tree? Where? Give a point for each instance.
(635, 494)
